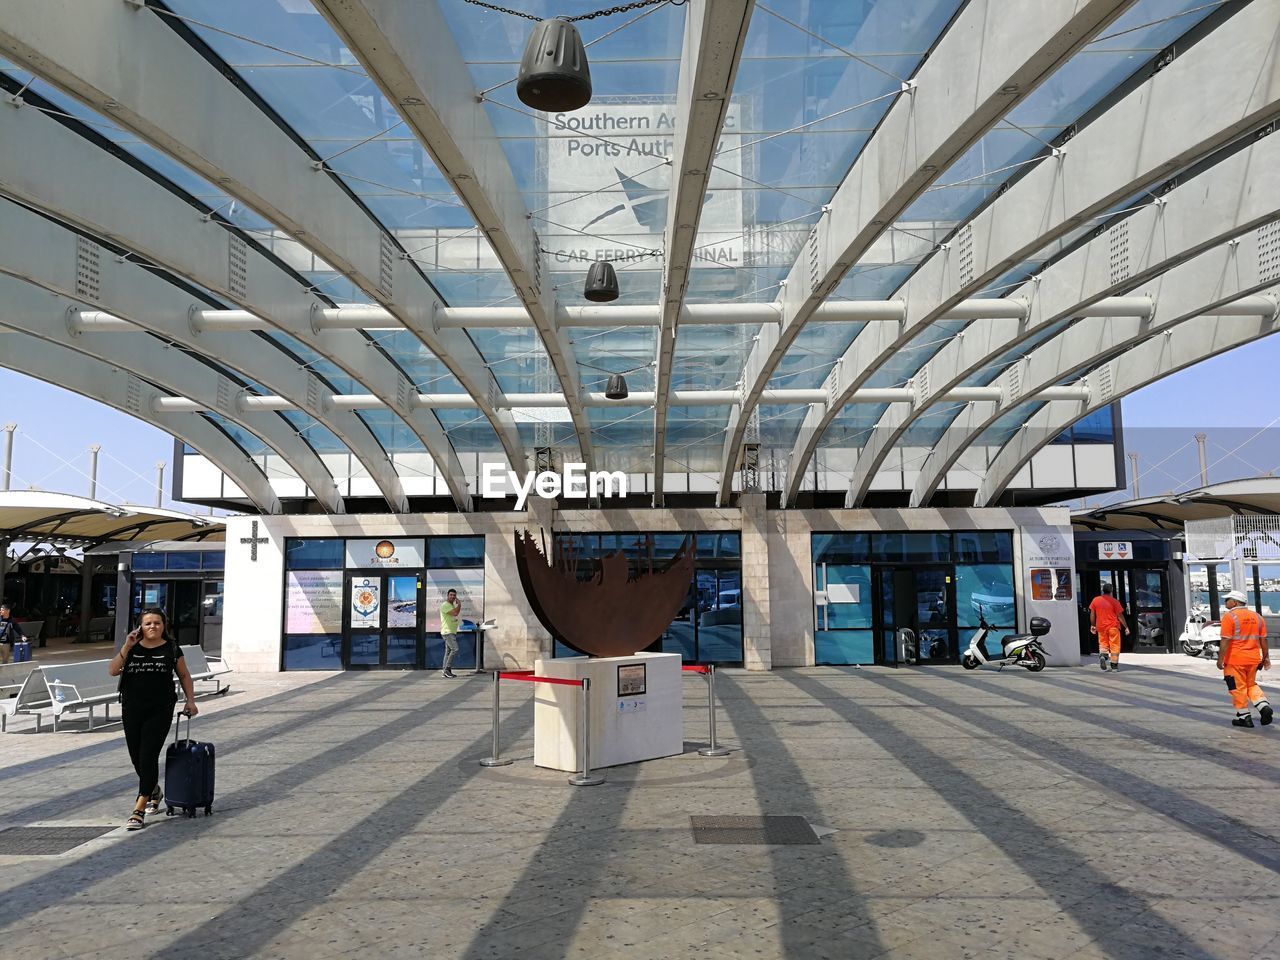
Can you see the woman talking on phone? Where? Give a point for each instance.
(146, 665)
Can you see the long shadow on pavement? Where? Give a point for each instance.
(68, 881)
(69, 802)
(327, 870)
(1235, 835)
(587, 812)
(781, 788)
(1199, 750)
(1006, 826)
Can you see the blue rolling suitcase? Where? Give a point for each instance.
(21, 652)
(188, 773)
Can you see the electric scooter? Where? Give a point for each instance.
(1020, 650)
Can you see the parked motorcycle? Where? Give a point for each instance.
(1020, 650)
(1200, 637)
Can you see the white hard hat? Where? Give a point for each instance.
(1236, 595)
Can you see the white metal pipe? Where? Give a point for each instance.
(637, 398)
(1119, 307)
(851, 311)
(1062, 393)
(988, 309)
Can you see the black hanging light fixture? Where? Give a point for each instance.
(617, 388)
(602, 283)
(554, 74)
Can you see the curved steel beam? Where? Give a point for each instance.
(715, 32)
(948, 106)
(409, 51)
(1232, 197)
(96, 380)
(64, 174)
(1226, 85)
(125, 62)
(31, 310)
(1157, 357)
(51, 256)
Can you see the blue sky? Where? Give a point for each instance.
(1232, 398)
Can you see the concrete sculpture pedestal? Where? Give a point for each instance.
(636, 705)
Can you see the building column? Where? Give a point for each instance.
(756, 639)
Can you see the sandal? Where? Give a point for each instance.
(153, 801)
(137, 820)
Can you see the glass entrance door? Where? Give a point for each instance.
(384, 621)
(1146, 609)
(916, 618)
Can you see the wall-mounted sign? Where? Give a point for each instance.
(313, 601)
(385, 552)
(608, 173)
(1040, 583)
(631, 679)
(1115, 550)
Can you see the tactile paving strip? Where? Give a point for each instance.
(46, 841)
(757, 831)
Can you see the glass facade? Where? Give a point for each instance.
(869, 587)
(340, 615)
(708, 627)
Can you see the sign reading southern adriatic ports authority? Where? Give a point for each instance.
(607, 183)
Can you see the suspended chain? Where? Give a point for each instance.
(608, 12)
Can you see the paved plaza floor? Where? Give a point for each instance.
(1010, 815)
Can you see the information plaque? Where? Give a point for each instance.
(631, 679)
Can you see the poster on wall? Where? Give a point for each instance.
(470, 586)
(1040, 583)
(389, 553)
(402, 602)
(313, 601)
(366, 603)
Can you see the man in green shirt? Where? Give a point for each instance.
(450, 613)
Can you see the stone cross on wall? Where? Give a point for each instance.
(253, 542)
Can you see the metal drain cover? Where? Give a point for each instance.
(46, 841)
(756, 831)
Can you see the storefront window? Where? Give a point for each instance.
(985, 589)
(313, 554)
(931, 583)
(313, 652)
(911, 547)
(708, 627)
(455, 552)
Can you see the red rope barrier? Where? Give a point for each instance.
(529, 678)
(695, 668)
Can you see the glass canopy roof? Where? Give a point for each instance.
(811, 88)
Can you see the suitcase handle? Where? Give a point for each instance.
(177, 725)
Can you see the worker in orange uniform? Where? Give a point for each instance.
(1243, 651)
(1106, 619)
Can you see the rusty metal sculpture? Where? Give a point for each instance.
(611, 614)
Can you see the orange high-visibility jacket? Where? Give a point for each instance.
(1244, 629)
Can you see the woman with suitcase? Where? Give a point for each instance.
(146, 665)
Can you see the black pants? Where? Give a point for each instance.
(146, 728)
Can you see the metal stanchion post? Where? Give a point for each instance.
(586, 778)
(714, 749)
(496, 759)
